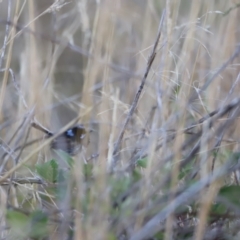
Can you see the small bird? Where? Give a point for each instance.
(70, 141)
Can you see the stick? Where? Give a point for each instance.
(136, 99)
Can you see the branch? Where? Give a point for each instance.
(24, 181)
(136, 99)
(216, 74)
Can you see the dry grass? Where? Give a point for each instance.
(159, 97)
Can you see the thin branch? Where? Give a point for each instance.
(24, 181)
(222, 110)
(136, 99)
(231, 8)
(39, 127)
(6, 33)
(211, 79)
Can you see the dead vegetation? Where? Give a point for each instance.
(156, 86)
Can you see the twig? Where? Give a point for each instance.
(6, 33)
(217, 147)
(224, 110)
(41, 128)
(211, 79)
(23, 181)
(230, 9)
(136, 99)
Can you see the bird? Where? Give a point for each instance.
(69, 141)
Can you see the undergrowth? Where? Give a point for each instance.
(155, 85)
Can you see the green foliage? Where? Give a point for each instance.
(228, 201)
(119, 185)
(111, 236)
(39, 223)
(176, 90)
(23, 226)
(18, 221)
(218, 209)
(65, 157)
(88, 170)
(231, 193)
(48, 171)
(159, 236)
(136, 175)
(142, 162)
(235, 157)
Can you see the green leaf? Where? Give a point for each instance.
(136, 175)
(65, 157)
(231, 194)
(119, 185)
(18, 221)
(48, 170)
(142, 163)
(88, 170)
(235, 157)
(54, 166)
(219, 209)
(159, 236)
(176, 89)
(39, 221)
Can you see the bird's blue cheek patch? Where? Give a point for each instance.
(70, 133)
